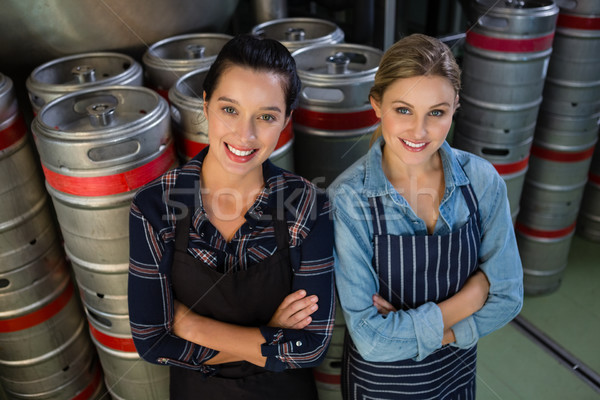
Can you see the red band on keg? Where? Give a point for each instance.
(335, 121)
(163, 93)
(111, 184)
(510, 45)
(561, 156)
(90, 389)
(191, 148)
(285, 136)
(544, 234)
(594, 178)
(115, 343)
(13, 133)
(578, 22)
(507, 169)
(327, 378)
(39, 316)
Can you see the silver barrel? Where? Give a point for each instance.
(505, 62)
(187, 114)
(169, 59)
(544, 256)
(126, 375)
(79, 72)
(588, 221)
(510, 158)
(334, 120)
(97, 148)
(573, 83)
(296, 33)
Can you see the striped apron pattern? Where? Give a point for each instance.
(413, 270)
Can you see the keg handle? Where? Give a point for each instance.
(195, 51)
(492, 22)
(84, 73)
(101, 114)
(515, 3)
(295, 34)
(337, 64)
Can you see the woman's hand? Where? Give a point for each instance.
(383, 306)
(294, 311)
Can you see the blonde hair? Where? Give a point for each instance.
(414, 55)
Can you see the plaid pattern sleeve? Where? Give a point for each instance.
(151, 233)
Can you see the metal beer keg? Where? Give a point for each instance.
(79, 72)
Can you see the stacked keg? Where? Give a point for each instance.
(296, 34)
(505, 62)
(565, 137)
(165, 64)
(588, 221)
(169, 59)
(45, 348)
(334, 120)
(97, 147)
(80, 71)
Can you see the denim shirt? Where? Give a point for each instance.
(416, 333)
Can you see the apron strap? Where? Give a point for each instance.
(378, 216)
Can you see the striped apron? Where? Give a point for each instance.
(413, 270)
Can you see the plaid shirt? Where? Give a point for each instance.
(152, 235)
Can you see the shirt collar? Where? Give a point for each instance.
(376, 183)
(265, 200)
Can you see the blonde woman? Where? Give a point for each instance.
(426, 257)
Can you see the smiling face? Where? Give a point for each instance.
(416, 115)
(246, 114)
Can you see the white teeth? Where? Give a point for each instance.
(239, 153)
(413, 145)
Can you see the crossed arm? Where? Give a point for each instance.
(240, 343)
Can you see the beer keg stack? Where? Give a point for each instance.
(99, 141)
(334, 120)
(564, 141)
(166, 63)
(45, 347)
(296, 34)
(505, 61)
(588, 221)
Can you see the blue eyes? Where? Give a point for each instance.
(437, 113)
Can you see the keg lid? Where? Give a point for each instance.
(7, 98)
(337, 61)
(185, 52)
(99, 112)
(295, 33)
(515, 17)
(188, 89)
(81, 71)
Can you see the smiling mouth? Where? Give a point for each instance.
(413, 145)
(240, 153)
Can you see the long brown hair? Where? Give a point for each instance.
(414, 55)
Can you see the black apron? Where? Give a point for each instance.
(245, 297)
(413, 270)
